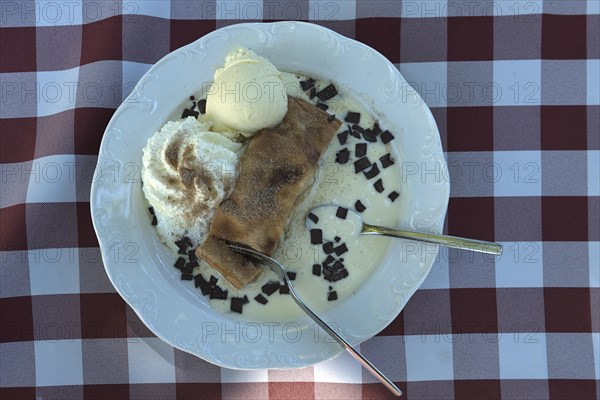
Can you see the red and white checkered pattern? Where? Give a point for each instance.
(515, 89)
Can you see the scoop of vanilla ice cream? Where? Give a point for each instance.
(247, 94)
(187, 171)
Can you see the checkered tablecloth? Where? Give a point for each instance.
(514, 88)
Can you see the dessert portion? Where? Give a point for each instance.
(187, 172)
(320, 146)
(246, 95)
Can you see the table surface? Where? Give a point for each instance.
(514, 88)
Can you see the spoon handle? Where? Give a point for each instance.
(357, 356)
(448, 241)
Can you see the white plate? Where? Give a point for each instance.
(140, 267)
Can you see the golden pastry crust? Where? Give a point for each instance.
(274, 171)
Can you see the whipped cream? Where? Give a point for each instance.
(187, 172)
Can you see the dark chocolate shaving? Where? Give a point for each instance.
(379, 186)
(189, 113)
(337, 239)
(154, 220)
(331, 118)
(369, 136)
(217, 293)
(192, 255)
(313, 218)
(180, 263)
(343, 137)
(237, 303)
(341, 213)
(316, 236)
(187, 269)
(327, 93)
(358, 128)
(360, 150)
(322, 106)
(376, 129)
(393, 196)
(352, 117)
(187, 277)
(261, 299)
(270, 288)
(291, 275)
(341, 249)
(373, 172)
(361, 164)
(328, 247)
(342, 156)
(202, 106)
(213, 280)
(151, 210)
(330, 259)
(307, 84)
(312, 93)
(359, 206)
(246, 301)
(386, 137)
(284, 289)
(316, 270)
(331, 296)
(386, 160)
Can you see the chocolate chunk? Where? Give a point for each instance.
(373, 172)
(284, 289)
(330, 288)
(359, 206)
(337, 239)
(376, 129)
(322, 106)
(331, 118)
(328, 261)
(154, 220)
(204, 286)
(332, 296)
(237, 303)
(342, 259)
(327, 93)
(369, 136)
(343, 136)
(213, 280)
(328, 247)
(341, 213)
(317, 269)
(386, 160)
(393, 196)
(182, 252)
(184, 243)
(358, 128)
(151, 210)
(261, 299)
(360, 150)
(193, 264)
(379, 186)
(202, 106)
(192, 98)
(354, 133)
(291, 275)
(192, 255)
(386, 137)
(352, 117)
(316, 236)
(361, 164)
(187, 277)
(187, 269)
(341, 249)
(344, 273)
(342, 156)
(313, 218)
(307, 84)
(312, 93)
(270, 288)
(338, 265)
(218, 293)
(246, 301)
(189, 113)
(180, 263)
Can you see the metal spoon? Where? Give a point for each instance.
(367, 229)
(281, 273)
